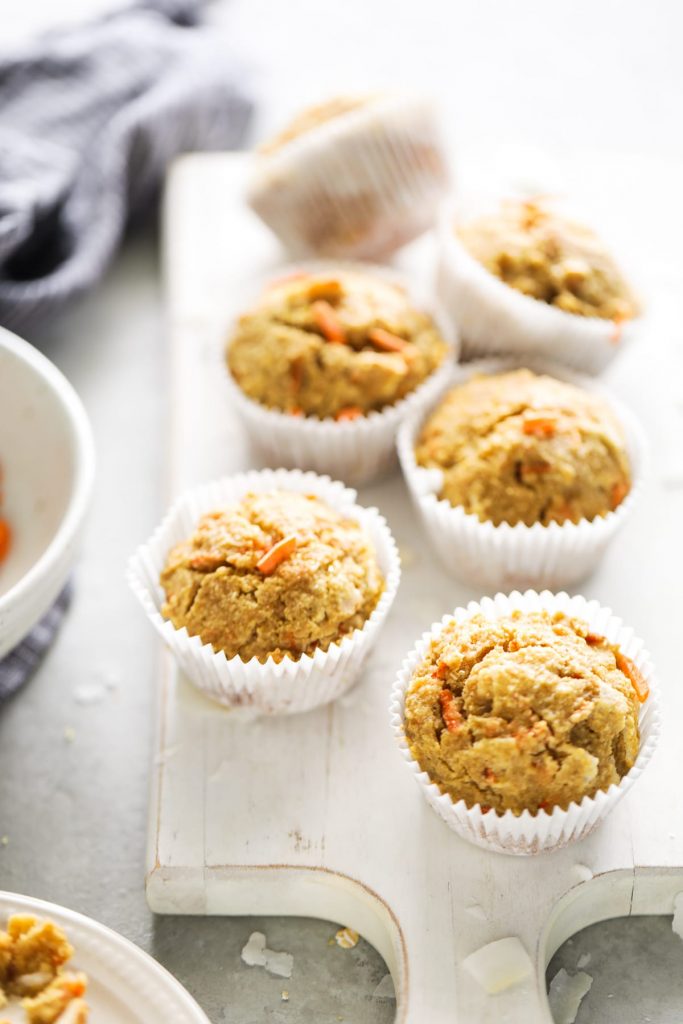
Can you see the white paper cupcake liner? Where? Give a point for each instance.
(359, 185)
(547, 830)
(355, 451)
(516, 557)
(496, 319)
(272, 687)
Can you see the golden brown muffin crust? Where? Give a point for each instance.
(326, 585)
(338, 344)
(549, 257)
(523, 448)
(529, 711)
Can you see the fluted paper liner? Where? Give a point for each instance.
(547, 830)
(356, 186)
(496, 319)
(271, 687)
(355, 451)
(516, 557)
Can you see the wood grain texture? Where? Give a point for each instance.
(316, 814)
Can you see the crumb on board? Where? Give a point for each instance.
(285, 995)
(582, 872)
(499, 965)
(476, 910)
(69, 734)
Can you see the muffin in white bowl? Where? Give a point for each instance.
(48, 462)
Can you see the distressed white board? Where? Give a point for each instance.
(316, 815)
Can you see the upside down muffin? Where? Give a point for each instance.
(549, 257)
(526, 712)
(279, 574)
(33, 953)
(333, 345)
(520, 447)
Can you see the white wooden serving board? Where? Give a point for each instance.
(317, 815)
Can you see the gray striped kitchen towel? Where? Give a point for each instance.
(19, 664)
(89, 119)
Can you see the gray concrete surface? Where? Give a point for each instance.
(73, 804)
(637, 968)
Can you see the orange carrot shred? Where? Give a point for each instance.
(5, 539)
(327, 321)
(618, 493)
(386, 341)
(278, 553)
(638, 680)
(617, 328)
(349, 412)
(540, 426)
(295, 411)
(593, 639)
(452, 718)
(536, 467)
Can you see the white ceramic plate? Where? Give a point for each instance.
(125, 986)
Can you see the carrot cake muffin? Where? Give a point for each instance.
(519, 447)
(526, 712)
(355, 176)
(279, 574)
(333, 345)
(545, 255)
(33, 953)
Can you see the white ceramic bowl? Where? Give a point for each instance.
(47, 461)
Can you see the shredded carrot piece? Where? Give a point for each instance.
(593, 639)
(325, 288)
(540, 426)
(296, 411)
(386, 341)
(452, 718)
(278, 553)
(618, 493)
(327, 321)
(545, 805)
(536, 467)
(5, 539)
(350, 412)
(638, 680)
(490, 775)
(617, 328)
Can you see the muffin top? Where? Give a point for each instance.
(523, 448)
(525, 712)
(549, 257)
(311, 118)
(279, 574)
(336, 344)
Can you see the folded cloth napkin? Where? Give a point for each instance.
(89, 119)
(19, 664)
